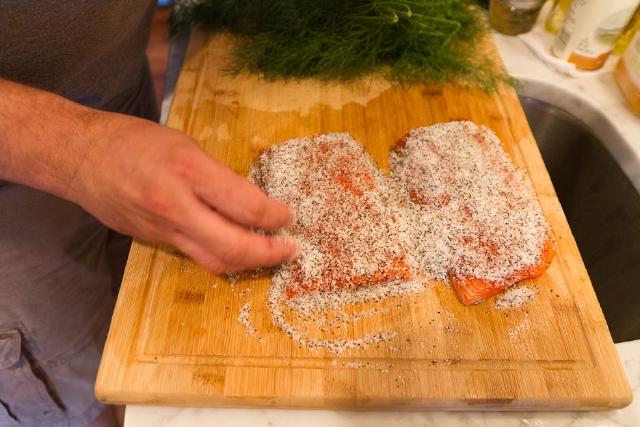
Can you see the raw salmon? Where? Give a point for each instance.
(474, 219)
(347, 235)
(472, 290)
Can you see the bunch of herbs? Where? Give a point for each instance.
(407, 41)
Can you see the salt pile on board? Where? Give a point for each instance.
(472, 215)
(518, 333)
(516, 297)
(245, 319)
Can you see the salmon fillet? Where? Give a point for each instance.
(348, 237)
(473, 216)
(472, 290)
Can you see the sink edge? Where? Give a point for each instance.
(589, 114)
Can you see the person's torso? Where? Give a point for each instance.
(52, 253)
(90, 51)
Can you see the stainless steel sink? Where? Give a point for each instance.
(601, 204)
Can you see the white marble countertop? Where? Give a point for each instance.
(598, 91)
(153, 416)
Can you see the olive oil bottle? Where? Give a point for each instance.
(557, 15)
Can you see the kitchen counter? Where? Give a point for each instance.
(152, 416)
(598, 91)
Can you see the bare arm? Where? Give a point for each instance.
(139, 178)
(39, 137)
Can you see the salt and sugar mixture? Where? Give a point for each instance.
(347, 234)
(452, 194)
(470, 211)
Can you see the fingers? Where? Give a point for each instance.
(220, 245)
(220, 205)
(238, 199)
(191, 248)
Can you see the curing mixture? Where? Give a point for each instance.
(453, 208)
(347, 235)
(349, 238)
(473, 218)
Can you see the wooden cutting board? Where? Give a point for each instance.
(175, 338)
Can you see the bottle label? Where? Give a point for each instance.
(561, 42)
(591, 28)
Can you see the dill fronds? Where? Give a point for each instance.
(407, 41)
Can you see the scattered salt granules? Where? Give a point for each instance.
(236, 277)
(518, 331)
(308, 304)
(245, 319)
(516, 297)
(277, 306)
(366, 313)
(469, 212)
(354, 365)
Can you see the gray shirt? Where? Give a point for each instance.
(90, 51)
(56, 261)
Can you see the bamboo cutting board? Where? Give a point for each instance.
(175, 338)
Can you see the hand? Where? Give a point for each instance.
(158, 185)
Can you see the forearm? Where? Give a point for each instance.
(43, 138)
(139, 178)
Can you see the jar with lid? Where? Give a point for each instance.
(514, 16)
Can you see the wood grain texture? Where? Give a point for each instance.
(175, 338)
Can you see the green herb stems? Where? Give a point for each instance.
(407, 41)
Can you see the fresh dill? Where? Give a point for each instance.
(407, 41)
